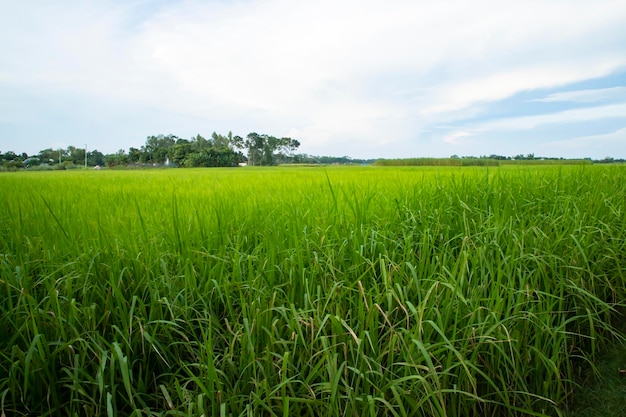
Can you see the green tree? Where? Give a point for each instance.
(12, 161)
(76, 155)
(200, 142)
(213, 157)
(254, 144)
(157, 147)
(95, 157)
(237, 142)
(49, 156)
(220, 141)
(178, 153)
(269, 150)
(116, 159)
(134, 155)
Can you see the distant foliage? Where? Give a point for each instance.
(230, 150)
(213, 158)
(472, 161)
(269, 150)
(448, 162)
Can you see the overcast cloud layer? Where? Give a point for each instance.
(362, 78)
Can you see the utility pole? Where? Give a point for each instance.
(85, 156)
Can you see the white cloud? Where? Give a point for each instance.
(616, 137)
(456, 138)
(567, 116)
(587, 96)
(595, 146)
(312, 70)
(505, 83)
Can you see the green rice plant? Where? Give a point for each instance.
(392, 291)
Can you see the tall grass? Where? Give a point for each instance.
(344, 291)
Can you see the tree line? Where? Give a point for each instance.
(225, 151)
(169, 150)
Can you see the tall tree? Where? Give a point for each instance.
(157, 147)
(49, 156)
(254, 143)
(76, 155)
(220, 141)
(268, 150)
(200, 142)
(134, 155)
(237, 142)
(95, 157)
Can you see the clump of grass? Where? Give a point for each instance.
(602, 385)
(603, 389)
(343, 291)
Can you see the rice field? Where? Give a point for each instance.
(339, 291)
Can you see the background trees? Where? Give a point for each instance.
(198, 151)
(269, 150)
(12, 161)
(215, 151)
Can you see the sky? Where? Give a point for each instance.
(362, 78)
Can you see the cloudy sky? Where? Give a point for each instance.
(364, 78)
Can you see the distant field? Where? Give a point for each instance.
(352, 291)
(466, 162)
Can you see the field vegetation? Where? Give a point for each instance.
(494, 160)
(340, 291)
